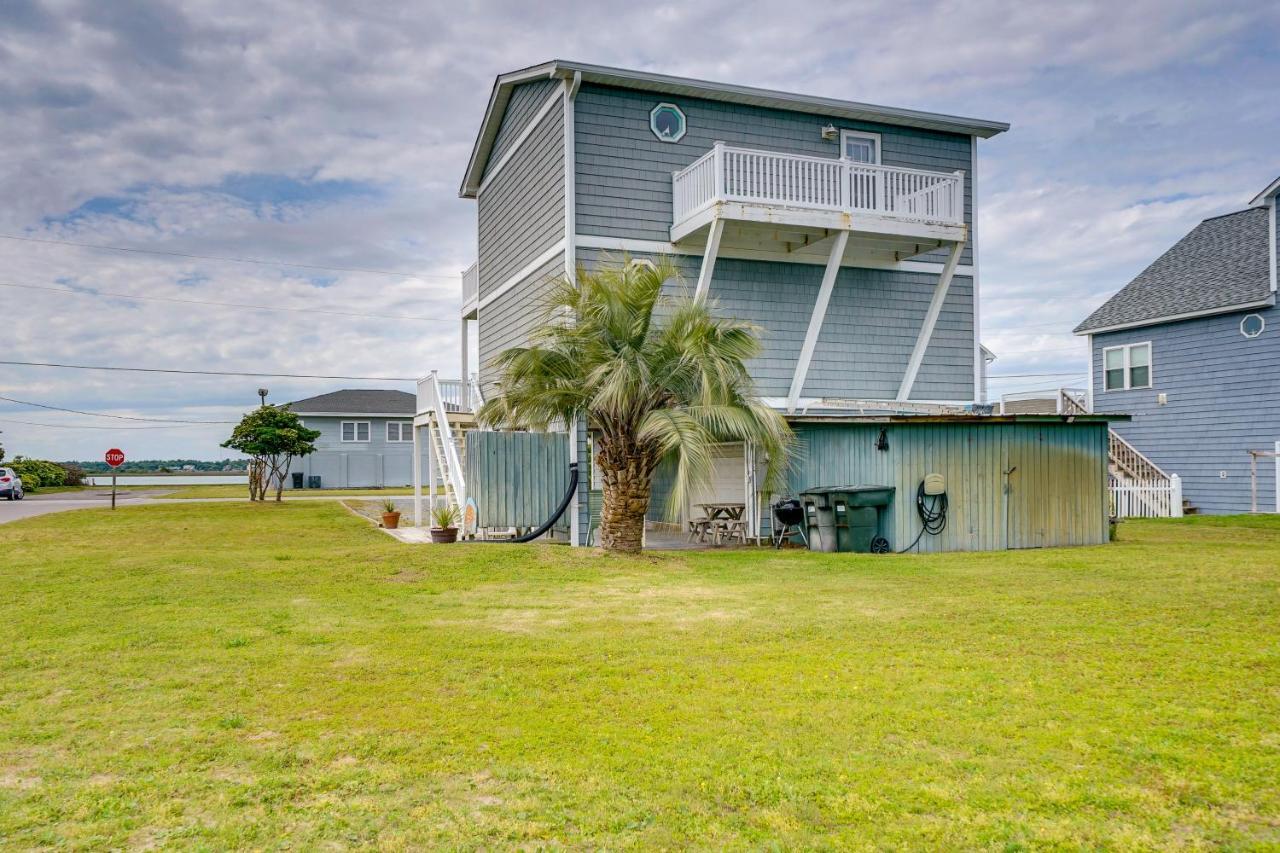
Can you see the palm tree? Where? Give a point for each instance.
(654, 374)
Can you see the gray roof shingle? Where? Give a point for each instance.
(1221, 264)
(359, 401)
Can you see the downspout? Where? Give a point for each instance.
(571, 87)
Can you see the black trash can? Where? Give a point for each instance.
(845, 518)
(297, 479)
(313, 482)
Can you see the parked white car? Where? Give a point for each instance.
(10, 485)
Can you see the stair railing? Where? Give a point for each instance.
(453, 476)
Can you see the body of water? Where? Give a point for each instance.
(170, 480)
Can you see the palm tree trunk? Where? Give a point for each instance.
(626, 500)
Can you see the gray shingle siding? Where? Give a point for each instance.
(526, 100)
(521, 212)
(506, 321)
(623, 171)
(1221, 263)
(871, 326)
(1223, 399)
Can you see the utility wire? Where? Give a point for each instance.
(1006, 375)
(261, 261)
(210, 372)
(103, 293)
(105, 415)
(91, 426)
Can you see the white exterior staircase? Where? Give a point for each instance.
(437, 400)
(1139, 487)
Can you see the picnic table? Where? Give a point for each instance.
(722, 520)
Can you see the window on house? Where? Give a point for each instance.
(1126, 368)
(399, 431)
(860, 147)
(355, 430)
(1252, 325)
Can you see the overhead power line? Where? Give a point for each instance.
(106, 294)
(210, 372)
(90, 426)
(1016, 375)
(234, 260)
(105, 415)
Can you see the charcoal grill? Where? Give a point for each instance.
(788, 517)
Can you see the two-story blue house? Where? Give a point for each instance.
(844, 231)
(1191, 348)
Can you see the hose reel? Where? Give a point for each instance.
(931, 506)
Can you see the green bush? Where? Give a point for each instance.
(36, 473)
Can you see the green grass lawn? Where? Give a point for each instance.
(228, 675)
(223, 490)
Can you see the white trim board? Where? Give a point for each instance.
(657, 247)
(978, 363)
(529, 269)
(1190, 315)
(542, 112)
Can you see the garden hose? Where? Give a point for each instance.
(933, 515)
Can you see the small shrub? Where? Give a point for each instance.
(73, 476)
(36, 473)
(389, 505)
(445, 516)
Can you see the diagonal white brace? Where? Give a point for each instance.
(815, 319)
(709, 259)
(930, 320)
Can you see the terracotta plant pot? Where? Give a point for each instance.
(391, 520)
(444, 535)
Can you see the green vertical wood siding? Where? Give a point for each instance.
(517, 478)
(1055, 494)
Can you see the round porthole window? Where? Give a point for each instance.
(1252, 325)
(667, 122)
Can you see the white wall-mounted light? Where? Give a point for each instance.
(830, 133)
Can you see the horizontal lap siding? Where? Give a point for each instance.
(526, 100)
(376, 462)
(624, 172)
(1056, 492)
(870, 329)
(521, 213)
(507, 321)
(1223, 400)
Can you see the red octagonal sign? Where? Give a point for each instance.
(115, 457)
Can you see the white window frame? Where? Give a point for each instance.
(862, 134)
(1261, 329)
(1128, 365)
(404, 431)
(653, 117)
(355, 432)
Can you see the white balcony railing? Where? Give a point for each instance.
(790, 180)
(471, 284)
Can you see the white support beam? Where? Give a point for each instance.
(466, 358)
(417, 475)
(930, 320)
(815, 319)
(709, 260)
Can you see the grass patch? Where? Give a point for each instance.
(232, 675)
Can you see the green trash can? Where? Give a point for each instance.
(844, 518)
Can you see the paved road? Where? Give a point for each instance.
(35, 504)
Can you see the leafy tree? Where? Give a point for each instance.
(271, 436)
(655, 374)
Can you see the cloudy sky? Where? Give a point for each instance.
(313, 134)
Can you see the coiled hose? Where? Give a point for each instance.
(933, 515)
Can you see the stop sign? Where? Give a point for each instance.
(115, 457)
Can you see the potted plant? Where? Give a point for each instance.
(390, 515)
(445, 519)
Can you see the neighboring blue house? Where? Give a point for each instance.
(1191, 348)
(366, 439)
(844, 230)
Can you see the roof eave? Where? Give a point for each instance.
(502, 86)
(1263, 197)
(645, 81)
(1267, 302)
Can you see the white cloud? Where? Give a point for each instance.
(1131, 121)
